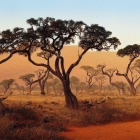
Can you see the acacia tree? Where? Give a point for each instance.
(7, 83)
(74, 80)
(101, 80)
(43, 80)
(133, 51)
(82, 86)
(51, 35)
(28, 79)
(91, 72)
(110, 72)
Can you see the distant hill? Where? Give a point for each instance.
(19, 65)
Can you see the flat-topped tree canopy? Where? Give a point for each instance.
(133, 51)
(130, 50)
(96, 37)
(51, 36)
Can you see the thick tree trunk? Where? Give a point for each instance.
(132, 88)
(70, 99)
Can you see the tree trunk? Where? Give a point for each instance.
(70, 99)
(42, 90)
(30, 89)
(132, 90)
(42, 87)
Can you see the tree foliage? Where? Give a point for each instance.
(130, 50)
(51, 35)
(133, 51)
(91, 72)
(7, 83)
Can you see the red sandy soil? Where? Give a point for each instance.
(113, 131)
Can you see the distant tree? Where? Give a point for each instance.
(54, 83)
(74, 81)
(7, 83)
(109, 88)
(101, 80)
(133, 51)
(20, 88)
(23, 89)
(48, 85)
(91, 72)
(28, 79)
(43, 78)
(51, 36)
(121, 85)
(93, 88)
(110, 72)
(59, 88)
(82, 86)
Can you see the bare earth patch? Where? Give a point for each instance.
(113, 131)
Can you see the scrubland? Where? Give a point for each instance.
(42, 117)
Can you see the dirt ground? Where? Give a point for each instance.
(113, 131)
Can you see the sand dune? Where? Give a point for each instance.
(19, 65)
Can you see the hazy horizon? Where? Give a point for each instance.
(19, 65)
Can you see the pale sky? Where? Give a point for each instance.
(121, 17)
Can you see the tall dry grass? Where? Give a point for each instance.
(39, 117)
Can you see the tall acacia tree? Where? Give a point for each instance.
(133, 51)
(51, 35)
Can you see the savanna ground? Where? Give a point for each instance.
(39, 117)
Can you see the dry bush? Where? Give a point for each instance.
(24, 119)
(21, 122)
